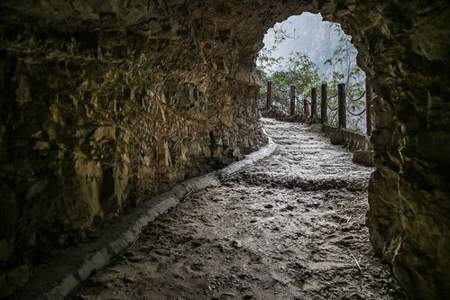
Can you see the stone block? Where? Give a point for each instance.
(364, 157)
(337, 138)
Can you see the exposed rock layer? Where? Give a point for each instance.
(105, 101)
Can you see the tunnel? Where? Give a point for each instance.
(105, 101)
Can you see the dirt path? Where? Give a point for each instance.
(290, 227)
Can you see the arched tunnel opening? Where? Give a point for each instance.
(104, 105)
(302, 64)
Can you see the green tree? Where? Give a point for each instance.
(299, 72)
(266, 59)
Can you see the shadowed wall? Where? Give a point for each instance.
(105, 103)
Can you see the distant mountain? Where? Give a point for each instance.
(309, 34)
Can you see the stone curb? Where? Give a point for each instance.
(71, 272)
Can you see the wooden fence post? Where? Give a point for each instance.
(305, 109)
(369, 97)
(269, 95)
(342, 120)
(323, 104)
(292, 100)
(313, 104)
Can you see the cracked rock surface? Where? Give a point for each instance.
(106, 103)
(292, 226)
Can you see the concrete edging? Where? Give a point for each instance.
(100, 253)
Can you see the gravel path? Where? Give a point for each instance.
(291, 226)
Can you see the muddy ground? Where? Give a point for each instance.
(293, 226)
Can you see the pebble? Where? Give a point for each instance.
(236, 244)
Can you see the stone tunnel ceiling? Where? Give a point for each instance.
(104, 103)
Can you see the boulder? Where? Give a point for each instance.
(337, 138)
(363, 157)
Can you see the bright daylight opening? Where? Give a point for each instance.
(305, 52)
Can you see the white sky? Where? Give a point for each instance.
(309, 34)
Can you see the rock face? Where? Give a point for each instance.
(105, 101)
(363, 157)
(96, 116)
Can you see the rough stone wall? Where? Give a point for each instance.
(105, 100)
(95, 117)
(409, 193)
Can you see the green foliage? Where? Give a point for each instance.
(343, 60)
(300, 72)
(355, 102)
(266, 58)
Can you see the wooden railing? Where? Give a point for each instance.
(309, 109)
